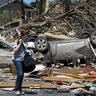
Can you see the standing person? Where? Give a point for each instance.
(18, 57)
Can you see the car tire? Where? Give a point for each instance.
(93, 39)
(84, 35)
(41, 43)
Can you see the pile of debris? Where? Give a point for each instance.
(77, 80)
(78, 22)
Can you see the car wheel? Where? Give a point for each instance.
(93, 39)
(41, 43)
(84, 35)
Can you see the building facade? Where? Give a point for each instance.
(11, 7)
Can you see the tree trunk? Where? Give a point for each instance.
(46, 6)
(43, 6)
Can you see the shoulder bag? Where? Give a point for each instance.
(28, 60)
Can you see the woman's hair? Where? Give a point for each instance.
(23, 32)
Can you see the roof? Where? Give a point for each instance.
(5, 2)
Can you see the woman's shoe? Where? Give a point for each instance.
(22, 93)
(17, 93)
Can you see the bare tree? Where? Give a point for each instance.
(43, 6)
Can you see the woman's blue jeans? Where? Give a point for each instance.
(20, 75)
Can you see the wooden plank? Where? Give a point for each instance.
(44, 85)
(59, 78)
(41, 85)
(60, 37)
(66, 74)
(73, 71)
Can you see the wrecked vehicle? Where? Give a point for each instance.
(76, 50)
